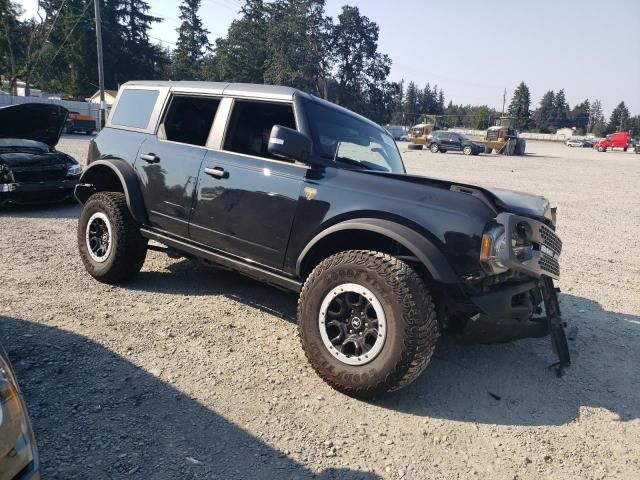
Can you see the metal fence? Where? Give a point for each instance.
(551, 137)
(84, 108)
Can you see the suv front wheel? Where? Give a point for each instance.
(367, 323)
(111, 246)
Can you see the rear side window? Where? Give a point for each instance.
(134, 108)
(189, 119)
(251, 124)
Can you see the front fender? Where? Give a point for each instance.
(423, 249)
(101, 175)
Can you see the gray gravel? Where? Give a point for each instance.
(198, 373)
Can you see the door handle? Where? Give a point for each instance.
(150, 157)
(217, 172)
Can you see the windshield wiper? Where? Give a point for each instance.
(351, 162)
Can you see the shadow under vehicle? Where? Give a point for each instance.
(305, 195)
(31, 169)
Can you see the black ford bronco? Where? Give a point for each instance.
(307, 196)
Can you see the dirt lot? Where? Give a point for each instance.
(197, 373)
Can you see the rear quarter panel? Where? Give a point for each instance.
(117, 143)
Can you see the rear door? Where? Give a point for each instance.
(246, 198)
(168, 162)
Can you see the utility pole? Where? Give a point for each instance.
(102, 115)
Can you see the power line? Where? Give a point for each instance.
(53, 24)
(81, 17)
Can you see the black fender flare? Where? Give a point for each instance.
(420, 246)
(128, 179)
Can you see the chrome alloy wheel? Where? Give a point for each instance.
(98, 237)
(352, 324)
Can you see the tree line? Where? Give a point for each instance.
(554, 112)
(282, 42)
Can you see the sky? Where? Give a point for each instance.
(474, 49)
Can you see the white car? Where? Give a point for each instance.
(573, 142)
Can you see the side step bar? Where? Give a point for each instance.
(239, 266)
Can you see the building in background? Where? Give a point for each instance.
(109, 97)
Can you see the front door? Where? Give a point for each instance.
(169, 162)
(246, 199)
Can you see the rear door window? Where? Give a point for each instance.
(189, 119)
(251, 123)
(134, 108)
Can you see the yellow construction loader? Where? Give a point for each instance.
(503, 138)
(418, 134)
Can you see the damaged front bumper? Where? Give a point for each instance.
(24, 193)
(527, 304)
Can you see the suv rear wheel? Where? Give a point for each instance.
(467, 150)
(109, 240)
(367, 323)
(435, 148)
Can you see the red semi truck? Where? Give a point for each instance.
(613, 140)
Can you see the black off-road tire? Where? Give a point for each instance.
(412, 327)
(414, 146)
(128, 246)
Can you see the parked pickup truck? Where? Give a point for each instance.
(78, 122)
(305, 195)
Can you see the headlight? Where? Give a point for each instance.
(494, 247)
(521, 241)
(15, 428)
(74, 170)
(494, 243)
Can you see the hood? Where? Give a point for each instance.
(42, 122)
(500, 199)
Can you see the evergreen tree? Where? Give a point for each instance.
(361, 70)
(298, 39)
(519, 107)
(560, 110)
(241, 55)
(440, 109)
(411, 101)
(619, 120)
(192, 44)
(579, 116)
(544, 115)
(597, 124)
(11, 43)
(426, 100)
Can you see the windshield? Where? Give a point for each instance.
(340, 137)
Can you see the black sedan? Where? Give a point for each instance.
(441, 141)
(18, 453)
(31, 169)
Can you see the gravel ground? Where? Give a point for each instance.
(198, 373)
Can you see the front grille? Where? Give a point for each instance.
(492, 134)
(551, 240)
(549, 264)
(41, 175)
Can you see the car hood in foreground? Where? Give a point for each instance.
(42, 122)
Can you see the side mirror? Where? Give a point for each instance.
(289, 144)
